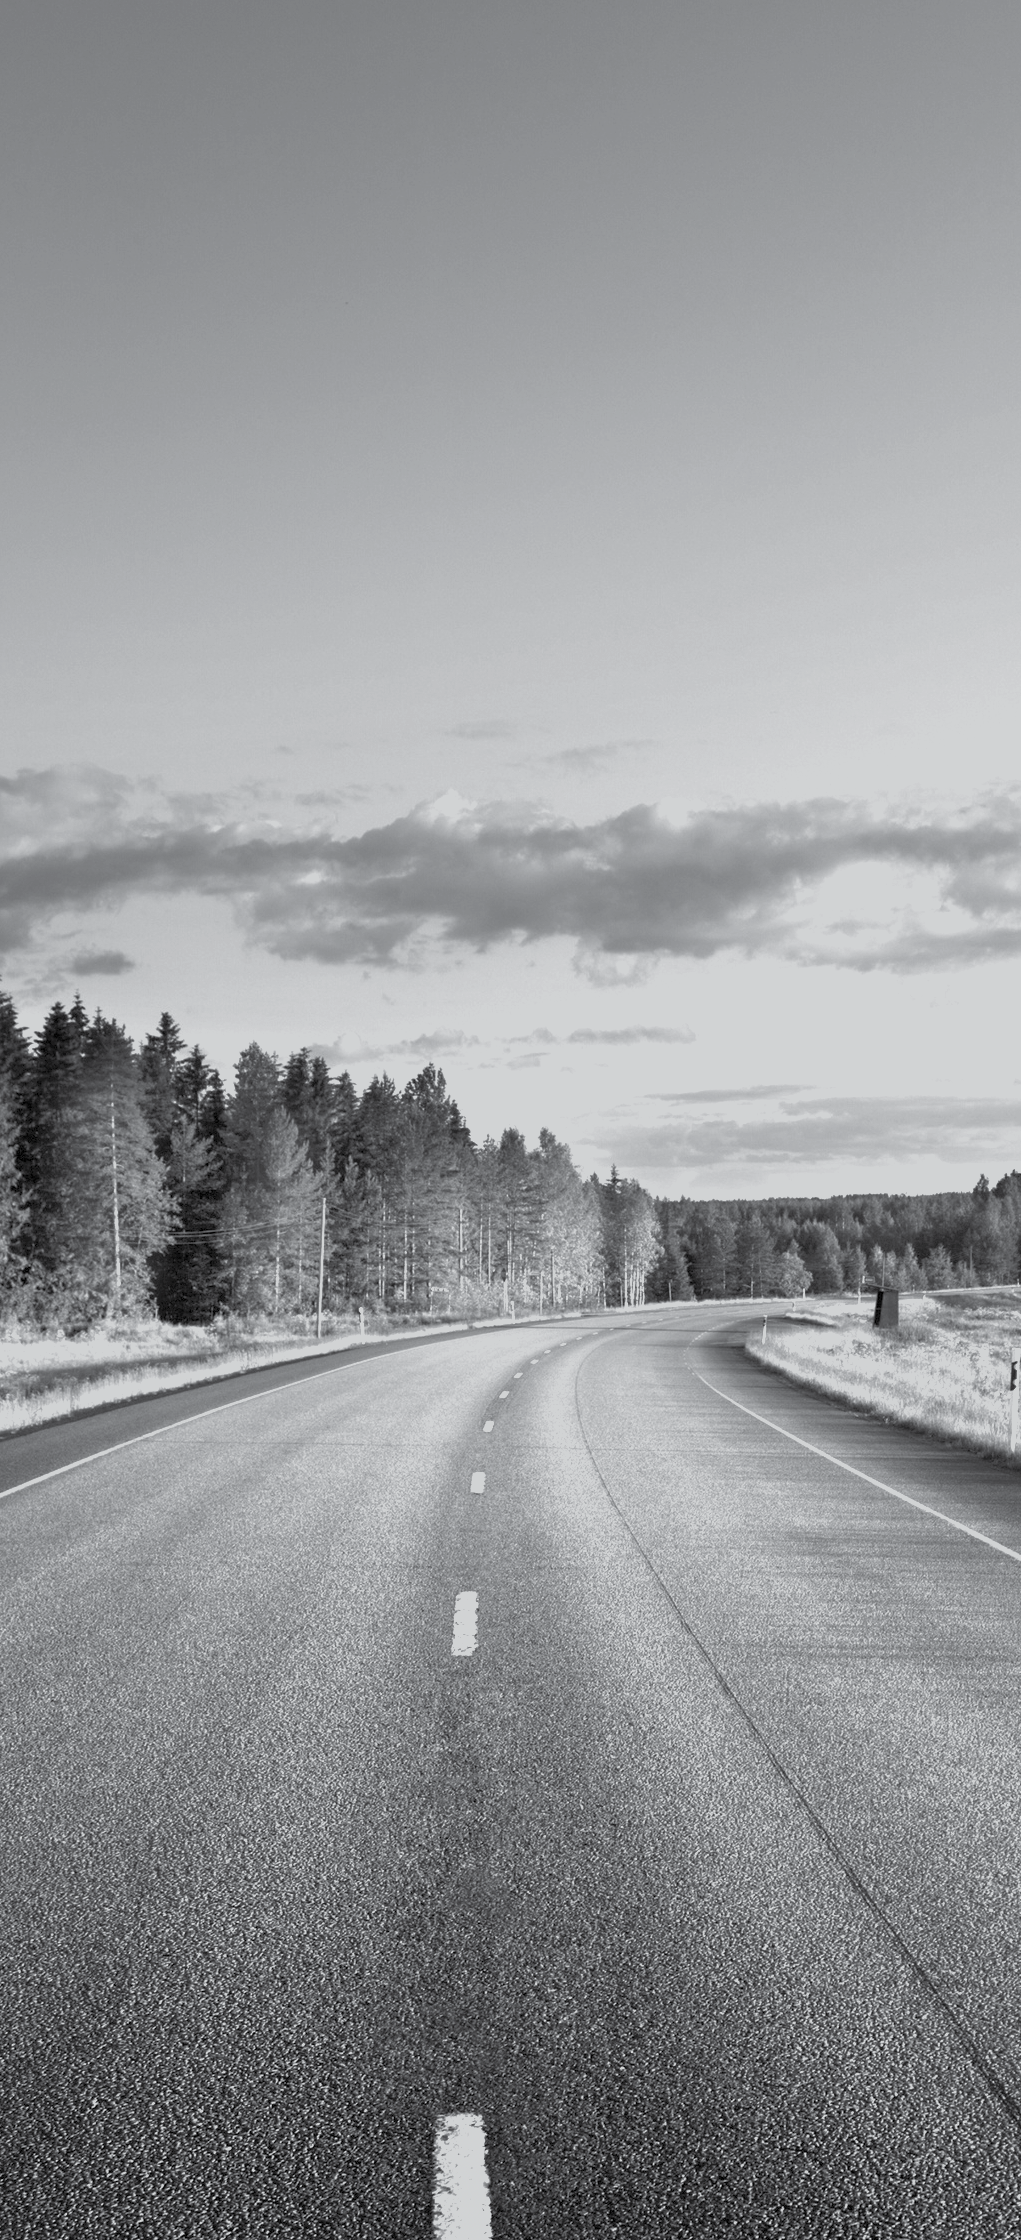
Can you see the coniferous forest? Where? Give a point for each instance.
(132, 1181)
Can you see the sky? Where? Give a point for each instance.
(511, 557)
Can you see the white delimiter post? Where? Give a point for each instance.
(1015, 1360)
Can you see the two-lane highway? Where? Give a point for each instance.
(508, 1780)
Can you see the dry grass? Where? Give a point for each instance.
(945, 1371)
(43, 1380)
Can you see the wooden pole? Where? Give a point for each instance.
(322, 1270)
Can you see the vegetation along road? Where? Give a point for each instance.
(539, 1782)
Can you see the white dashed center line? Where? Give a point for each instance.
(518, 1373)
(478, 1484)
(505, 1394)
(489, 1424)
(534, 1362)
(466, 1625)
(461, 2181)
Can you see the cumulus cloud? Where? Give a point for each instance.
(815, 1130)
(625, 889)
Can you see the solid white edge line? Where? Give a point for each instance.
(461, 2180)
(940, 1515)
(464, 1640)
(138, 1438)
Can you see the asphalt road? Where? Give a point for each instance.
(696, 1879)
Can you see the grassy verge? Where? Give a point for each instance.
(945, 1371)
(43, 1380)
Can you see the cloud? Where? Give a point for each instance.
(90, 962)
(816, 1130)
(626, 889)
(752, 1095)
(616, 1037)
(596, 757)
(494, 728)
(445, 1042)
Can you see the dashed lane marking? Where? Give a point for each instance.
(969, 1530)
(505, 1394)
(518, 1373)
(466, 1625)
(461, 2180)
(478, 1484)
(490, 1424)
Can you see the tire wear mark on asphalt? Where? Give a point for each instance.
(981, 2062)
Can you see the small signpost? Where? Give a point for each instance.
(1015, 1360)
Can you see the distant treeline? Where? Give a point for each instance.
(756, 1247)
(132, 1179)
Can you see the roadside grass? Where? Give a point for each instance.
(946, 1370)
(45, 1380)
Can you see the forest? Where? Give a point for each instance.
(132, 1181)
(765, 1247)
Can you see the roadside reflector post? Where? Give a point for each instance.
(765, 1328)
(1015, 1360)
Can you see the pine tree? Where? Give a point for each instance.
(14, 1069)
(125, 1213)
(158, 1070)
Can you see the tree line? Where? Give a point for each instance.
(764, 1247)
(132, 1180)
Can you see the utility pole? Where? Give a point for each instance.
(116, 1201)
(322, 1270)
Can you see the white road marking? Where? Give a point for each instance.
(478, 1484)
(969, 1530)
(461, 2181)
(139, 1438)
(505, 1394)
(534, 1362)
(466, 1625)
(518, 1373)
(180, 1423)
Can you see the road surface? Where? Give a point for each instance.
(633, 1777)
